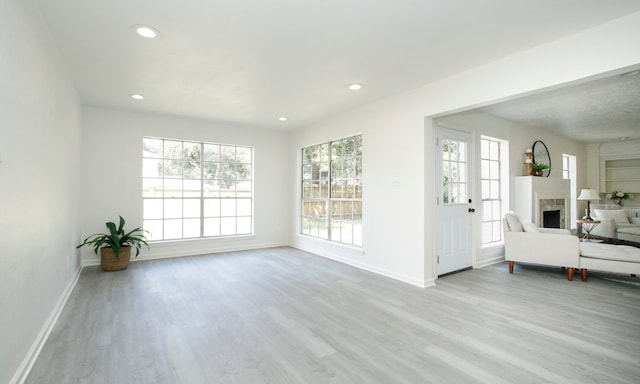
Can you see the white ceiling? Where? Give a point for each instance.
(596, 111)
(251, 61)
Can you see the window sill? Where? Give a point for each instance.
(200, 240)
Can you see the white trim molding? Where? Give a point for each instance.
(34, 351)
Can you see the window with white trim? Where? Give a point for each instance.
(195, 190)
(332, 191)
(566, 171)
(494, 180)
(569, 170)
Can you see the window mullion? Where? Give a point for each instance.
(201, 189)
(330, 193)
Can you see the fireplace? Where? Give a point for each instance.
(543, 201)
(552, 213)
(551, 219)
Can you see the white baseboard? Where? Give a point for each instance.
(490, 255)
(488, 262)
(171, 250)
(32, 355)
(330, 254)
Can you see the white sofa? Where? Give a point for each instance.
(609, 258)
(526, 243)
(616, 222)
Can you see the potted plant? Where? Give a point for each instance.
(115, 246)
(538, 168)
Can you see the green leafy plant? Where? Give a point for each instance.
(117, 238)
(540, 166)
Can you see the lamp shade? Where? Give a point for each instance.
(589, 194)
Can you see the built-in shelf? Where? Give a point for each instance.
(622, 174)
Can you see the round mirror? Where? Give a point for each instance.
(541, 156)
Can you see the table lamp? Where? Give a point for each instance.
(589, 194)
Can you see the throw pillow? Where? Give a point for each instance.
(618, 215)
(530, 227)
(513, 222)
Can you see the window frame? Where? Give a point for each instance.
(569, 171)
(498, 181)
(202, 175)
(331, 191)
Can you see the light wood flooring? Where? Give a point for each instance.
(285, 316)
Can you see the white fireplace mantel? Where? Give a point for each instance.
(529, 190)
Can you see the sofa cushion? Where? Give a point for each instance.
(610, 252)
(630, 230)
(530, 227)
(513, 222)
(619, 215)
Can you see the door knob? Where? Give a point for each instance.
(472, 210)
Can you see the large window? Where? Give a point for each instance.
(192, 189)
(493, 157)
(332, 191)
(569, 169)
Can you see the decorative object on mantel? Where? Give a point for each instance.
(618, 196)
(589, 194)
(539, 168)
(541, 155)
(528, 171)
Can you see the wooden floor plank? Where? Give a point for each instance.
(286, 316)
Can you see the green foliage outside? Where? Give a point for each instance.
(218, 165)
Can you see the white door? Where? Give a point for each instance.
(454, 205)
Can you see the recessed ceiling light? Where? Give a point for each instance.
(137, 97)
(623, 138)
(355, 86)
(283, 118)
(146, 31)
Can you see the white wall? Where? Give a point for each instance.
(393, 199)
(39, 150)
(112, 177)
(398, 141)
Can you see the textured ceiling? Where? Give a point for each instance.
(251, 61)
(595, 111)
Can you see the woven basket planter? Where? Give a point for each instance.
(109, 262)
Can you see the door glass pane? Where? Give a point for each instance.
(462, 151)
(462, 194)
(454, 172)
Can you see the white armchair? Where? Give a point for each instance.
(526, 243)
